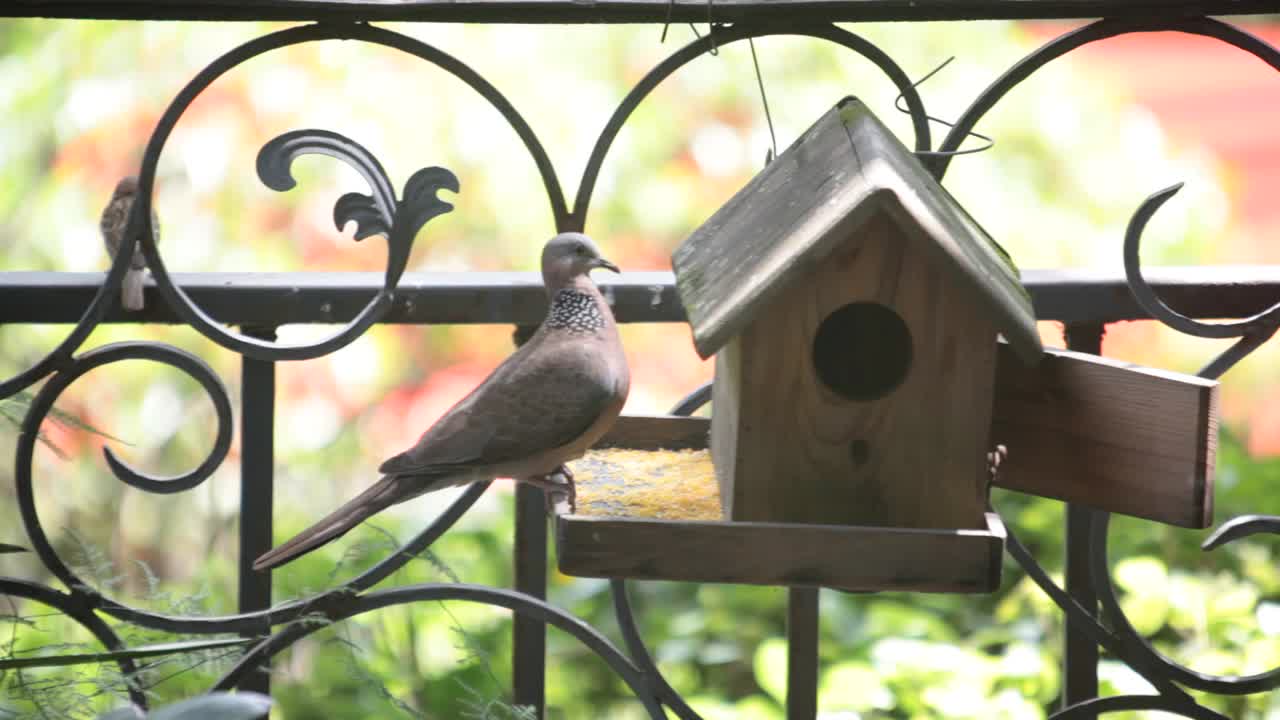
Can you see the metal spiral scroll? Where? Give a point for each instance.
(108, 294)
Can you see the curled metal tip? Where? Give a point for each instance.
(1241, 527)
(1153, 203)
(1146, 297)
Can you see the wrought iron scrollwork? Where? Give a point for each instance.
(1252, 331)
(1099, 567)
(378, 213)
(399, 219)
(1122, 640)
(74, 606)
(49, 393)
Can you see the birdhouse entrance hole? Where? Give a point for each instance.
(862, 351)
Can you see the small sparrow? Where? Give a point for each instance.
(115, 218)
(545, 405)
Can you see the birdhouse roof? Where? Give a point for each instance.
(812, 198)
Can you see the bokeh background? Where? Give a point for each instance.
(1077, 148)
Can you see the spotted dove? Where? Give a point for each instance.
(543, 406)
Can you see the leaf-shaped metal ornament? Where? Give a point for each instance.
(275, 163)
(364, 212)
(419, 205)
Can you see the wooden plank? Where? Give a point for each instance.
(848, 558)
(1107, 434)
(914, 457)
(726, 432)
(652, 432)
(623, 11)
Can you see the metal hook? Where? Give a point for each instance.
(711, 26)
(897, 103)
(711, 31)
(713, 50)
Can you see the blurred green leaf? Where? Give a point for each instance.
(770, 666)
(217, 706)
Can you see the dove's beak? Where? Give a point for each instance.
(602, 263)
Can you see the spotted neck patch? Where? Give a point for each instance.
(575, 311)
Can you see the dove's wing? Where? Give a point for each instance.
(546, 398)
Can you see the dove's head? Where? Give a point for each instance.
(568, 257)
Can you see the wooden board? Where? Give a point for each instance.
(794, 450)
(857, 559)
(652, 514)
(1111, 435)
(649, 432)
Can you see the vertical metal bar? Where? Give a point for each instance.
(802, 653)
(529, 653)
(257, 463)
(1080, 654)
(529, 637)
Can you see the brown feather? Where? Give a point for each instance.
(379, 496)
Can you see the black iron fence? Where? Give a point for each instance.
(209, 302)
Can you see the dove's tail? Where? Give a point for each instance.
(386, 492)
(132, 298)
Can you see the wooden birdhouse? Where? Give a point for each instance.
(872, 345)
(853, 308)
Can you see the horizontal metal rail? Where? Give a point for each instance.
(272, 299)
(624, 11)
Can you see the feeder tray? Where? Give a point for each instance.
(648, 507)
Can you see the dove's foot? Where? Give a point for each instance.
(555, 488)
(994, 459)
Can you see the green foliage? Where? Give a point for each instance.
(14, 408)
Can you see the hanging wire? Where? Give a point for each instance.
(711, 31)
(764, 99)
(897, 103)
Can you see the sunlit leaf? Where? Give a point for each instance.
(770, 666)
(853, 686)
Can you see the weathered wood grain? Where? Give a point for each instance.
(1110, 435)
(799, 452)
(844, 170)
(648, 432)
(846, 558)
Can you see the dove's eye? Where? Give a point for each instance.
(581, 250)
